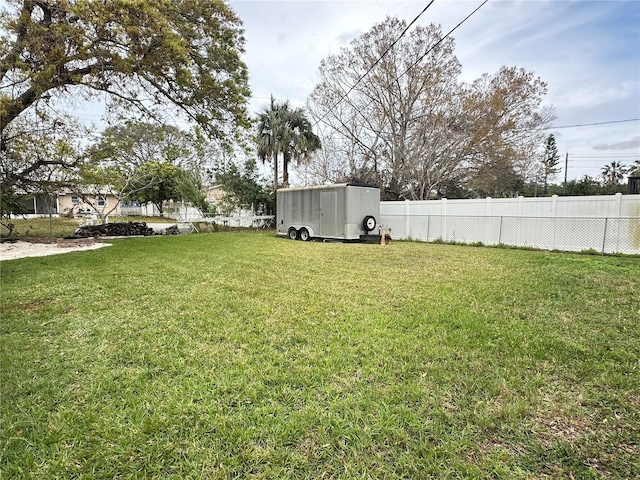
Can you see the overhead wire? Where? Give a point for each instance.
(378, 60)
(587, 158)
(592, 124)
(429, 50)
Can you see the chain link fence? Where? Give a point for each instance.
(600, 234)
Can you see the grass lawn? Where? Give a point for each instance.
(54, 227)
(243, 355)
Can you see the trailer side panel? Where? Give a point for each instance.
(327, 211)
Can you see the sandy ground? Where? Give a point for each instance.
(19, 249)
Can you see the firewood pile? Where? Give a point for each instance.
(114, 230)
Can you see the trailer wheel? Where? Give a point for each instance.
(304, 235)
(293, 234)
(369, 223)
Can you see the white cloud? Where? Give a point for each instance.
(587, 51)
(620, 145)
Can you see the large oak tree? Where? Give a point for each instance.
(401, 117)
(147, 57)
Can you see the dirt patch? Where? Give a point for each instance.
(30, 307)
(561, 428)
(22, 249)
(75, 242)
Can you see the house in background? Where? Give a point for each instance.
(87, 201)
(39, 204)
(214, 194)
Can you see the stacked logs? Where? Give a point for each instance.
(114, 230)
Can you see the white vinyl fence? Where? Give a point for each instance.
(248, 220)
(183, 212)
(607, 223)
(174, 210)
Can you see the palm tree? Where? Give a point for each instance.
(281, 129)
(268, 135)
(302, 142)
(613, 173)
(634, 169)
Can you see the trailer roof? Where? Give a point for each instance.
(326, 187)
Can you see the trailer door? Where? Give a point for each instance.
(329, 213)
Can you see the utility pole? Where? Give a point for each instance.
(566, 164)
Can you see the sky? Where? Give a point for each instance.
(588, 52)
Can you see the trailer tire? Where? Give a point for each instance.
(293, 234)
(303, 234)
(369, 223)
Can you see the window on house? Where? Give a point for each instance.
(102, 201)
(75, 201)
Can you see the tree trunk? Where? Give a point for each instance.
(546, 183)
(275, 172)
(285, 169)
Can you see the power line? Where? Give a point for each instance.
(593, 165)
(430, 49)
(591, 161)
(591, 124)
(441, 40)
(374, 63)
(613, 157)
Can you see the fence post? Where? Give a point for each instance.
(617, 205)
(487, 219)
(406, 219)
(428, 226)
(604, 237)
(500, 234)
(520, 202)
(443, 224)
(554, 213)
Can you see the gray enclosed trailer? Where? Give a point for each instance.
(345, 211)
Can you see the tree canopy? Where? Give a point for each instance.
(147, 57)
(137, 143)
(157, 182)
(145, 162)
(243, 187)
(412, 127)
(584, 186)
(281, 129)
(550, 161)
(613, 173)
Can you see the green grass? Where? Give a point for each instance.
(40, 227)
(242, 355)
